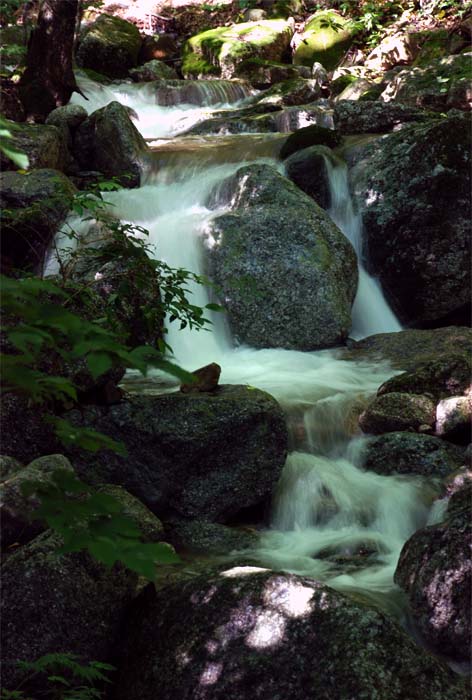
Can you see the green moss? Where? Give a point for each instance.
(338, 85)
(326, 38)
(434, 45)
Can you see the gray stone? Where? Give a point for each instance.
(205, 456)
(369, 117)
(44, 144)
(252, 633)
(307, 169)
(287, 274)
(411, 453)
(446, 376)
(201, 537)
(413, 191)
(152, 529)
(454, 418)
(152, 70)
(396, 412)
(109, 142)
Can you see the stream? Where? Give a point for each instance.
(330, 518)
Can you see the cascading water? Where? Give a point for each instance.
(331, 519)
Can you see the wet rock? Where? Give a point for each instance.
(34, 206)
(110, 46)
(325, 39)
(244, 628)
(262, 74)
(410, 453)
(411, 348)
(205, 456)
(413, 191)
(222, 50)
(454, 418)
(67, 119)
(435, 571)
(16, 509)
(450, 375)
(289, 93)
(25, 433)
(273, 230)
(396, 412)
(307, 169)
(199, 92)
(44, 145)
(201, 537)
(152, 70)
(206, 379)
(51, 603)
(441, 85)
(109, 142)
(368, 117)
(151, 527)
(313, 135)
(161, 47)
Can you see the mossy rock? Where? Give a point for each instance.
(313, 135)
(434, 44)
(397, 412)
(44, 144)
(326, 39)
(298, 91)
(110, 46)
(342, 82)
(220, 51)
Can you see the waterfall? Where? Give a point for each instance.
(331, 519)
(371, 312)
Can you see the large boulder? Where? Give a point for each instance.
(110, 46)
(203, 455)
(413, 190)
(313, 135)
(67, 604)
(440, 378)
(219, 52)
(252, 633)
(287, 274)
(262, 73)
(44, 144)
(443, 84)
(152, 70)
(298, 91)
(370, 117)
(325, 39)
(435, 571)
(34, 205)
(109, 142)
(411, 453)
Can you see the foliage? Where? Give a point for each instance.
(18, 157)
(67, 678)
(95, 521)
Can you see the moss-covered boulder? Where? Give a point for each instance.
(298, 91)
(413, 189)
(442, 84)
(34, 205)
(287, 274)
(67, 604)
(109, 142)
(308, 170)
(152, 70)
(325, 39)
(252, 633)
(261, 73)
(205, 456)
(44, 145)
(219, 52)
(110, 46)
(435, 571)
(396, 412)
(411, 453)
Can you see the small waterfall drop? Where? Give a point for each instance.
(331, 519)
(371, 312)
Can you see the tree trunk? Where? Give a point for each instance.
(48, 81)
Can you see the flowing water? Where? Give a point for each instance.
(331, 519)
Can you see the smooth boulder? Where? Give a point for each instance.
(413, 191)
(252, 633)
(325, 39)
(288, 275)
(204, 455)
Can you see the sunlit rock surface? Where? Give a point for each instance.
(251, 633)
(435, 570)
